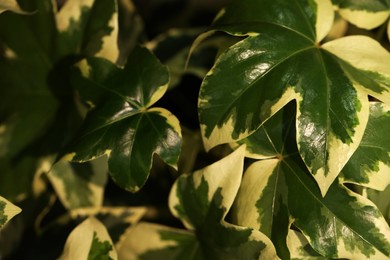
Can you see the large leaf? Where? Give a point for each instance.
(89, 240)
(370, 164)
(201, 200)
(79, 185)
(366, 14)
(122, 125)
(88, 27)
(278, 191)
(281, 60)
(7, 211)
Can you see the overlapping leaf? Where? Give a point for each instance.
(11, 5)
(364, 14)
(281, 60)
(201, 200)
(122, 125)
(278, 191)
(89, 240)
(88, 27)
(300, 248)
(7, 211)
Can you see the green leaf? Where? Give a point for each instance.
(79, 185)
(89, 240)
(201, 201)
(366, 14)
(122, 125)
(7, 211)
(11, 5)
(88, 27)
(370, 164)
(300, 248)
(278, 191)
(281, 60)
(381, 200)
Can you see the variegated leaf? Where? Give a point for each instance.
(370, 164)
(7, 211)
(278, 191)
(300, 248)
(11, 5)
(121, 125)
(280, 60)
(381, 200)
(89, 27)
(89, 240)
(362, 13)
(79, 185)
(201, 201)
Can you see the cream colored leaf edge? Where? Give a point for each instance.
(296, 243)
(364, 19)
(225, 174)
(11, 5)
(325, 18)
(9, 211)
(79, 242)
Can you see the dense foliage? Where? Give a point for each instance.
(243, 129)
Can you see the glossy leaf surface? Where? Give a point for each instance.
(7, 211)
(89, 240)
(278, 191)
(370, 164)
(201, 201)
(121, 125)
(281, 60)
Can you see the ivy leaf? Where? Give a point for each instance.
(89, 28)
(7, 211)
(122, 125)
(79, 185)
(89, 240)
(281, 60)
(369, 166)
(278, 191)
(11, 5)
(364, 14)
(201, 201)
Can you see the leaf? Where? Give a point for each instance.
(369, 166)
(79, 185)
(88, 27)
(7, 211)
(201, 201)
(381, 200)
(300, 247)
(278, 191)
(281, 60)
(11, 5)
(89, 240)
(364, 14)
(122, 125)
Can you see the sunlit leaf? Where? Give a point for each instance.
(88, 27)
(278, 191)
(280, 60)
(89, 240)
(7, 211)
(362, 13)
(370, 164)
(122, 126)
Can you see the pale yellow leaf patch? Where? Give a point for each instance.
(364, 19)
(80, 240)
(10, 210)
(71, 11)
(296, 243)
(11, 5)
(325, 18)
(110, 50)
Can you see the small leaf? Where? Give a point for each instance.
(300, 248)
(121, 125)
(364, 14)
(79, 185)
(89, 27)
(11, 5)
(7, 211)
(89, 240)
(370, 164)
